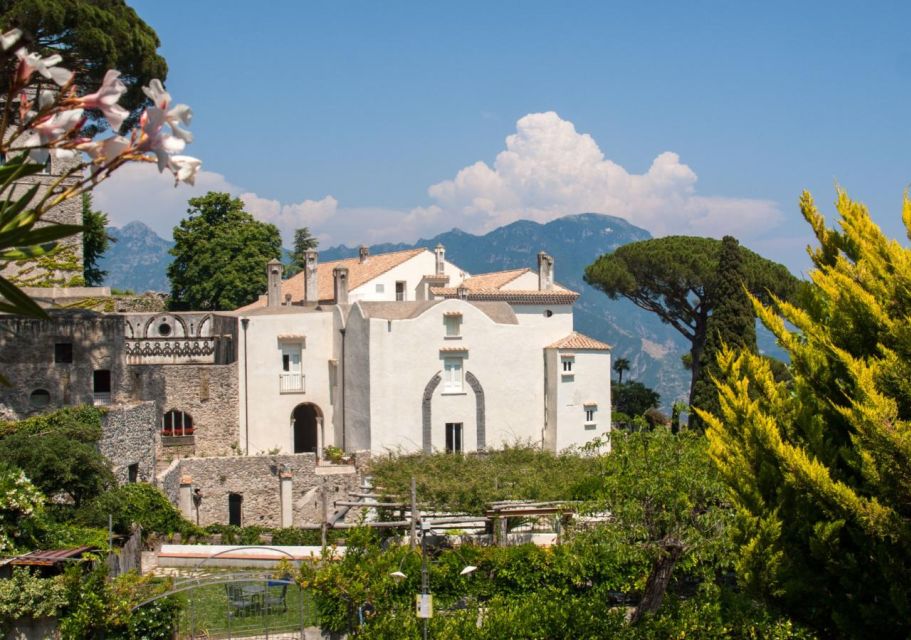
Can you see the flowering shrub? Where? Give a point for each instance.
(20, 502)
(39, 122)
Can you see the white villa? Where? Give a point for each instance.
(406, 351)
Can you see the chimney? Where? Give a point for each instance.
(274, 275)
(545, 271)
(340, 279)
(311, 281)
(363, 252)
(440, 253)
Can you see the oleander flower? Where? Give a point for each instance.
(106, 98)
(48, 131)
(155, 139)
(29, 63)
(185, 168)
(10, 38)
(105, 150)
(176, 115)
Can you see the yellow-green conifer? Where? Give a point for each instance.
(820, 466)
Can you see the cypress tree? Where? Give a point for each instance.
(732, 323)
(819, 466)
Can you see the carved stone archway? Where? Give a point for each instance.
(480, 411)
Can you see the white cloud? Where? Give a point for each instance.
(138, 192)
(549, 170)
(546, 171)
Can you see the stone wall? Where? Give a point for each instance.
(257, 479)
(27, 351)
(207, 392)
(64, 266)
(128, 435)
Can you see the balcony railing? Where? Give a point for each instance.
(291, 383)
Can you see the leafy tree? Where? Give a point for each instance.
(664, 497)
(303, 242)
(621, 365)
(220, 254)
(820, 465)
(20, 504)
(95, 241)
(137, 503)
(676, 278)
(58, 452)
(633, 398)
(733, 323)
(92, 36)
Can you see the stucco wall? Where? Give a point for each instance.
(256, 479)
(411, 272)
(588, 383)
(358, 384)
(128, 434)
(270, 411)
(506, 359)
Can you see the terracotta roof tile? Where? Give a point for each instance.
(358, 273)
(513, 296)
(494, 279)
(577, 340)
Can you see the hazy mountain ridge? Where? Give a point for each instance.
(653, 348)
(139, 259)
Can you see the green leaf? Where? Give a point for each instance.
(18, 302)
(30, 237)
(13, 215)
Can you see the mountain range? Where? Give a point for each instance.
(139, 258)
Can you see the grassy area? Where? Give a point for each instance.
(208, 612)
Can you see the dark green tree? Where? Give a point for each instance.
(633, 398)
(733, 323)
(95, 241)
(59, 453)
(621, 365)
(676, 278)
(303, 242)
(220, 254)
(92, 36)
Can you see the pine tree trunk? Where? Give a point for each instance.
(658, 579)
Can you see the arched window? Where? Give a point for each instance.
(176, 423)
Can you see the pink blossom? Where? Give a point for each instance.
(50, 130)
(176, 115)
(107, 149)
(155, 139)
(105, 99)
(10, 38)
(185, 168)
(47, 67)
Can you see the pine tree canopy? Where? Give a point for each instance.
(820, 467)
(677, 278)
(92, 36)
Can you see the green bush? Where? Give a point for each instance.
(138, 503)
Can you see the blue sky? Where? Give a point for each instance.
(358, 117)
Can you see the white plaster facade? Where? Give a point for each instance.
(461, 363)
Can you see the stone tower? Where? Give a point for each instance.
(62, 268)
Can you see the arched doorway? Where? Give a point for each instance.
(305, 423)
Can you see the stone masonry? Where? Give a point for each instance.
(257, 480)
(128, 434)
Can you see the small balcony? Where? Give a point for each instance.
(291, 383)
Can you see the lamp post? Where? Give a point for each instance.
(425, 600)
